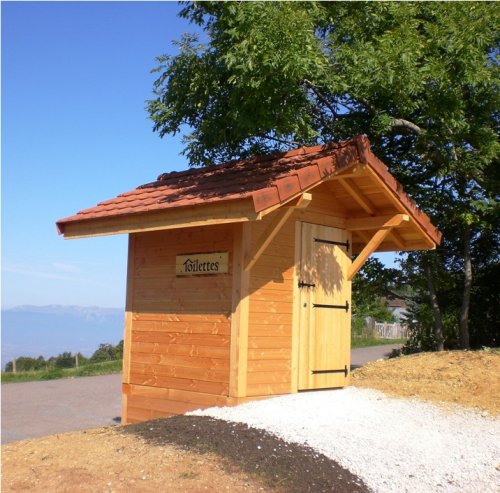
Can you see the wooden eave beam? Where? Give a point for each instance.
(376, 222)
(375, 241)
(274, 227)
(357, 195)
(174, 218)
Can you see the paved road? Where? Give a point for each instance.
(361, 356)
(35, 409)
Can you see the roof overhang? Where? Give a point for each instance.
(370, 199)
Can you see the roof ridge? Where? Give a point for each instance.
(275, 158)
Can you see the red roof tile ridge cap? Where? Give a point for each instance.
(303, 151)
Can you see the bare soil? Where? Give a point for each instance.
(467, 378)
(197, 454)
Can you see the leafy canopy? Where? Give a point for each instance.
(421, 77)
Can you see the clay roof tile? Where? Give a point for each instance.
(267, 180)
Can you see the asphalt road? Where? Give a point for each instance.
(35, 409)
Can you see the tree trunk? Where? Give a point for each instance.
(438, 321)
(464, 311)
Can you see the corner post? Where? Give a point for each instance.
(127, 336)
(240, 311)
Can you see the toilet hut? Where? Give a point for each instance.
(239, 275)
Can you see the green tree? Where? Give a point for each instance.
(26, 363)
(420, 79)
(64, 360)
(107, 352)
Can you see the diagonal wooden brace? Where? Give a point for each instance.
(272, 230)
(375, 241)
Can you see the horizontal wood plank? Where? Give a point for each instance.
(188, 361)
(269, 342)
(183, 339)
(193, 385)
(271, 306)
(262, 294)
(270, 318)
(195, 373)
(270, 330)
(266, 354)
(261, 389)
(180, 349)
(269, 377)
(271, 365)
(181, 317)
(182, 327)
(199, 398)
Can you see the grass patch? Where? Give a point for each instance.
(103, 368)
(357, 342)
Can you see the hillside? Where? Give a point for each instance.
(50, 330)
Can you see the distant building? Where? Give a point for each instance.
(398, 308)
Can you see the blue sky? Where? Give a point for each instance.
(75, 78)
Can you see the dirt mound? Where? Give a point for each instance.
(467, 378)
(106, 460)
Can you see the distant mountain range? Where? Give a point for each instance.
(50, 330)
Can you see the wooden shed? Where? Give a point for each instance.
(239, 275)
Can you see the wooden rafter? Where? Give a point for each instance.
(357, 195)
(274, 227)
(397, 239)
(375, 241)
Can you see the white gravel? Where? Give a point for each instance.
(394, 445)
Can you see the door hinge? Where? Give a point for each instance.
(345, 244)
(345, 371)
(303, 284)
(340, 307)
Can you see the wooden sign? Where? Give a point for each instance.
(198, 264)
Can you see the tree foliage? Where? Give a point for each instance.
(419, 78)
(66, 359)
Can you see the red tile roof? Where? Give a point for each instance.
(268, 180)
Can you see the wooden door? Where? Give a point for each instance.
(325, 307)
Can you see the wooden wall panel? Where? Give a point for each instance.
(270, 313)
(180, 327)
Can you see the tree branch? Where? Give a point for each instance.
(400, 122)
(320, 96)
(290, 143)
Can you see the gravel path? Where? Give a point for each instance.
(394, 445)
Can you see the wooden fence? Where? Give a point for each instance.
(387, 330)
